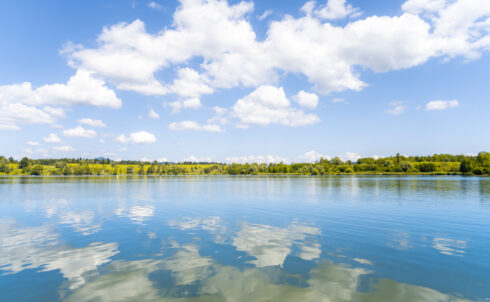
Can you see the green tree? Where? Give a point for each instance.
(24, 163)
(67, 170)
(466, 166)
(151, 170)
(37, 170)
(4, 168)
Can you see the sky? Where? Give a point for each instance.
(243, 81)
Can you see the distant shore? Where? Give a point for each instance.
(437, 164)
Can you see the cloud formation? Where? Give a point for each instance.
(80, 132)
(332, 57)
(195, 126)
(91, 122)
(141, 137)
(269, 105)
(441, 105)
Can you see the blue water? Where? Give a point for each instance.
(244, 239)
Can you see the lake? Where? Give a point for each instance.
(244, 238)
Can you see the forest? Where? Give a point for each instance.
(437, 164)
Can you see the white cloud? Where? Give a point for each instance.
(396, 108)
(141, 137)
(192, 103)
(12, 115)
(52, 138)
(55, 111)
(221, 116)
(81, 89)
(313, 156)
(189, 83)
(196, 159)
(192, 125)
(162, 160)
(153, 115)
(441, 105)
(264, 15)
(257, 159)
(331, 57)
(80, 132)
(65, 148)
(155, 5)
(91, 122)
(420, 6)
(352, 156)
(38, 151)
(334, 9)
(306, 99)
(31, 143)
(269, 105)
(18, 101)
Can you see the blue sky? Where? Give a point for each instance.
(244, 81)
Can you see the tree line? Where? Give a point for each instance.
(437, 164)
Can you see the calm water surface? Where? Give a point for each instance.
(245, 239)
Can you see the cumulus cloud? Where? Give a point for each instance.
(269, 105)
(196, 159)
(192, 125)
(396, 108)
(91, 122)
(306, 99)
(52, 138)
(80, 132)
(268, 159)
(221, 116)
(189, 83)
(326, 54)
(81, 89)
(19, 103)
(313, 156)
(141, 137)
(31, 143)
(331, 57)
(420, 6)
(334, 9)
(352, 156)
(441, 105)
(153, 115)
(191, 103)
(55, 111)
(16, 114)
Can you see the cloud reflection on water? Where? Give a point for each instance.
(24, 248)
(448, 246)
(271, 245)
(201, 279)
(137, 214)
